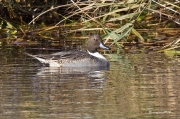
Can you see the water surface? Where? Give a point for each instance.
(137, 86)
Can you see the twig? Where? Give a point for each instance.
(86, 13)
(166, 7)
(176, 21)
(47, 11)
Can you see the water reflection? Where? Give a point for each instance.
(135, 86)
(68, 95)
(34, 92)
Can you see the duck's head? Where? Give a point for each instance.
(94, 42)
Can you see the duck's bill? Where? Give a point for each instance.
(104, 47)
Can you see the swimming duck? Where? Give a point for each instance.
(78, 58)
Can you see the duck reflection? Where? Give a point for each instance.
(94, 75)
(69, 92)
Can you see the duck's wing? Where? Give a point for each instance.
(68, 56)
(72, 55)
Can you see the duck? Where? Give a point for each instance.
(91, 58)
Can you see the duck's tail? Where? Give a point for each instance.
(42, 60)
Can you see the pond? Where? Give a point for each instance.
(137, 85)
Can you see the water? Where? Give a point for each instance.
(136, 86)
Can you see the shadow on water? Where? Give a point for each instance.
(136, 86)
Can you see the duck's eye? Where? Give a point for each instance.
(95, 39)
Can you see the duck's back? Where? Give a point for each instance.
(73, 59)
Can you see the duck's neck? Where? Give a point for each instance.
(97, 54)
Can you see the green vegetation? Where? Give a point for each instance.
(148, 22)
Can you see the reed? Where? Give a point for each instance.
(118, 20)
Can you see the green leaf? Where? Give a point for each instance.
(124, 17)
(137, 34)
(1, 24)
(9, 25)
(172, 52)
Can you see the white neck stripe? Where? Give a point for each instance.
(97, 54)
